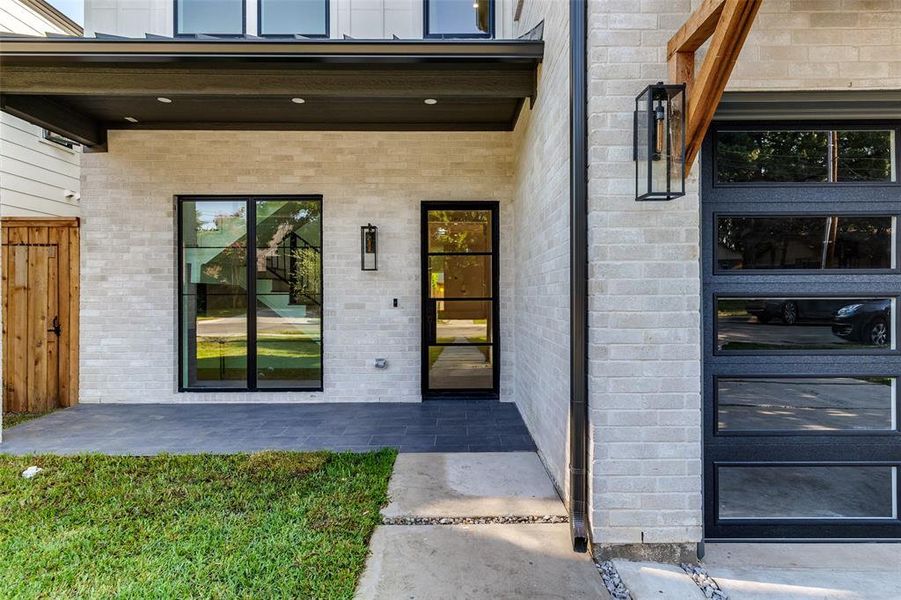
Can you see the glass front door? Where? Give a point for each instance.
(460, 311)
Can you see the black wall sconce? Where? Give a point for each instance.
(659, 142)
(369, 256)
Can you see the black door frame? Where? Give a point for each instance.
(426, 303)
(844, 448)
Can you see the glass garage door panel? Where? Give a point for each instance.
(763, 325)
(805, 156)
(807, 492)
(806, 404)
(805, 243)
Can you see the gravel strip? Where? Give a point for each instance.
(704, 581)
(472, 520)
(615, 585)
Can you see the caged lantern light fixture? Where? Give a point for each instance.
(659, 142)
(369, 257)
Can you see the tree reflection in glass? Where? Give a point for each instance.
(826, 242)
(779, 156)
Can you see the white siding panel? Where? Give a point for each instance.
(15, 167)
(34, 174)
(20, 204)
(18, 183)
(18, 18)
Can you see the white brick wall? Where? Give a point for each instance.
(128, 302)
(645, 278)
(822, 44)
(541, 198)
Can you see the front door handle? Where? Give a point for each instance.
(57, 328)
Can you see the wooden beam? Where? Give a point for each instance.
(697, 29)
(54, 116)
(710, 83)
(727, 24)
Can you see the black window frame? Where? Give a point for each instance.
(325, 35)
(489, 35)
(250, 200)
(782, 447)
(179, 34)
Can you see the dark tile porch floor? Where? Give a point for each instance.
(434, 426)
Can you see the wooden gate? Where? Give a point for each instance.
(40, 313)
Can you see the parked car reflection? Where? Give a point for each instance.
(867, 322)
(803, 323)
(795, 310)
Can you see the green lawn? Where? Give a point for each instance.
(274, 524)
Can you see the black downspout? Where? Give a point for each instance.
(578, 293)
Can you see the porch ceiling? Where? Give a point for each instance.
(83, 87)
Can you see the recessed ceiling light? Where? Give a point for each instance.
(131, 119)
(165, 100)
(430, 101)
(298, 100)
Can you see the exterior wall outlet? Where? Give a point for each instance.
(381, 363)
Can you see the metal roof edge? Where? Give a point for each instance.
(307, 49)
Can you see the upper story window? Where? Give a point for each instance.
(289, 17)
(59, 140)
(805, 156)
(459, 18)
(211, 17)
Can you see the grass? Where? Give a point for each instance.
(273, 524)
(11, 419)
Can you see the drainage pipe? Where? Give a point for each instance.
(578, 231)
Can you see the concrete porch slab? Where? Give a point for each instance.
(480, 484)
(649, 580)
(477, 561)
(805, 571)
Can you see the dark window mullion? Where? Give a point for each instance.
(251, 295)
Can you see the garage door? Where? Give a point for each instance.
(801, 361)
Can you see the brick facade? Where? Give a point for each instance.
(645, 346)
(541, 200)
(128, 313)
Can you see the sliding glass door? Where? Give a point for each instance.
(250, 313)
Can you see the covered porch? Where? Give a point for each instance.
(148, 429)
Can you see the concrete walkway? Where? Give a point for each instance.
(145, 429)
(490, 560)
(806, 571)
(777, 571)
